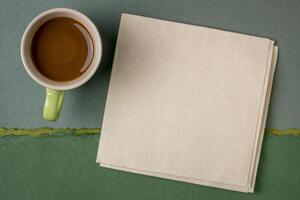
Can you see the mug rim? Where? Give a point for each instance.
(43, 80)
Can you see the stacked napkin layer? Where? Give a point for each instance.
(187, 103)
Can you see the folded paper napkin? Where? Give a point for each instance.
(187, 103)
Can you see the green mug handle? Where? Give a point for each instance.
(53, 104)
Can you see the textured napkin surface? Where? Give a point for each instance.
(187, 103)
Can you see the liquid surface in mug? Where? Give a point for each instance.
(62, 49)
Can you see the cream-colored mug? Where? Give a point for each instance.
(55, 90)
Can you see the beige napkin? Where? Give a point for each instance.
(187, 103)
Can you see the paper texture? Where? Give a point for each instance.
(187, 103)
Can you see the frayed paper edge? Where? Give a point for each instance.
(278, 132)
(37, 132)
(48, 131)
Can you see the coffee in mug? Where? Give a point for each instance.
(62, 49)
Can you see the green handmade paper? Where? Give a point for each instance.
(64, 168)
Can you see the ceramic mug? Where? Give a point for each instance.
(55, 90)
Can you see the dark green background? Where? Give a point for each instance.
(63, 167)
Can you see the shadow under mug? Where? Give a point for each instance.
(55, 90)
